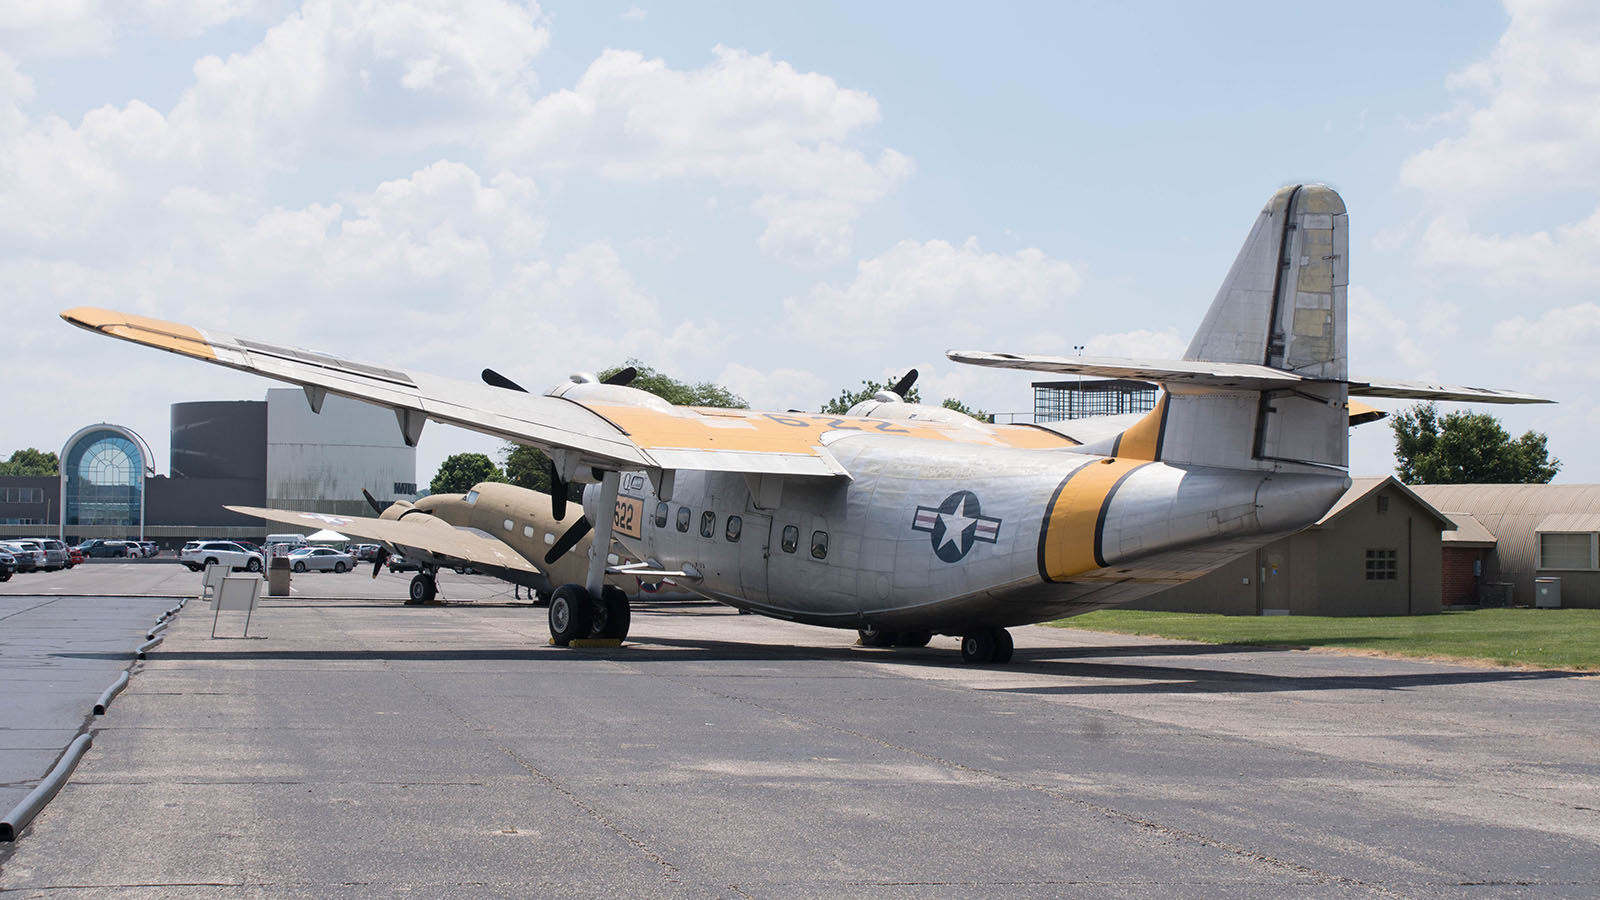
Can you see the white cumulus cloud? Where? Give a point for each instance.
(918, 285)
(746, 122)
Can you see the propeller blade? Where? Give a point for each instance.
(495, 379)
(378, 561)
(569, 540)
(558, 494)
(903, 386)
(623, 377)
(372, 501)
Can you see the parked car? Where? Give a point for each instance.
(135, 549)
(324, 559)
(363, 552)
(74, 557)
(55, 552)
(151, 550)
(26, 560)
(103, 549)
(398, 563)
(43, 561)
(222, 553)
(8, 564)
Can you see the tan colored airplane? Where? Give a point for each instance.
(901, 520)
(458, 531)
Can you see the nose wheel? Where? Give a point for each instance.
(992, 645)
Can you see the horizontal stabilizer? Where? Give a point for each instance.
(1231, 376)
(1425, 390)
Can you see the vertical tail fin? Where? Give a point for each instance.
(1282, 305)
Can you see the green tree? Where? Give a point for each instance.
(529, 467)
(31, 462)
(1466, 448)
(958, 406)
(459, 472)
(679, 393)
(847, 398)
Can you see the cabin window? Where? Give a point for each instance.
(735, 525)
(819, 545)
(510, 525)
(708, 524)
(527, 531)
(661, 514)
(791, 538)
(683, 518)
(1566, 550)
(1382, 565)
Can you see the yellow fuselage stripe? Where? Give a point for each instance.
(1069, 542)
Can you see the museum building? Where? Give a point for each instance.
(275, 452)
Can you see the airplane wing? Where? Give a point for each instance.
(1226, 376)
(649, 439)
(436, 537)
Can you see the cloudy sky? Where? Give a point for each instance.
(785, 200)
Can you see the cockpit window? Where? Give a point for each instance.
(471, 498)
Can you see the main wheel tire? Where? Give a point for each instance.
(619, 615)
(254, 565)
(299, 567)
(338, 567)
(914, 639)
(571, 614)
(978, 647)
(209, 562)
(423, 588)
(872, 636)
(1002, 645)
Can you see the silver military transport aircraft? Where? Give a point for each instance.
(901, 520)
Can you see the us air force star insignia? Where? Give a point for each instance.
(955, 524)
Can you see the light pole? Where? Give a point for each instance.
(1079, 401)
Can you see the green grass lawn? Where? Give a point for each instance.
(1548, 638)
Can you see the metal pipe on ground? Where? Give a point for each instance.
(147, 646)
(23, 813)
(105, 698)
(159, 627)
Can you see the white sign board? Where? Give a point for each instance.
(236, 593)
(212, 580)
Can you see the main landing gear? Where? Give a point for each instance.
(991, 645)
(575, 614)
(424, 587)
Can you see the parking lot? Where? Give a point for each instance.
(356, 747)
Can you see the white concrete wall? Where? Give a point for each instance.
(322, 462)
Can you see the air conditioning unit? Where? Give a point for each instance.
(1547, 593)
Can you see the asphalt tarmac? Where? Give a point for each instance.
(359, 748)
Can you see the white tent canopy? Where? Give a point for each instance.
(325, 535)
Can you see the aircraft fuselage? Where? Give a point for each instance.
(948, 537)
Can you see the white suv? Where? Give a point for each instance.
(200, 554)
